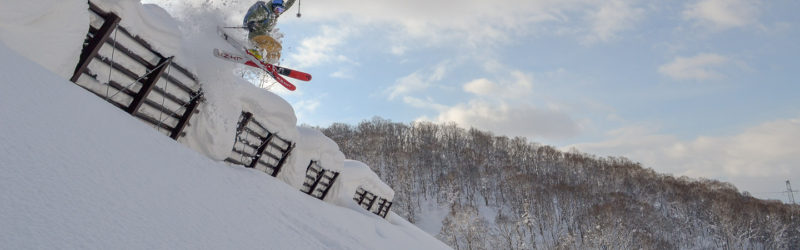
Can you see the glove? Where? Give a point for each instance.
(251, 25)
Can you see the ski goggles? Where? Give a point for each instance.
(279, 9)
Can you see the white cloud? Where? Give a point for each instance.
(699, 67)
(512, 120)
(305, 108)
(723, 14)
(408, 84)
(768, 151)
(520, 86)
(480, 86)
(322, 48)
(610, 18)
(502, 107)
(476, 23)
(342, 74)
(439, 71)
(398, 50)
(424, 104)
(418, 81)
(308, 105)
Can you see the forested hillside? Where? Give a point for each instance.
(509, 193)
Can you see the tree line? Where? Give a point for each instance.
(509, 193)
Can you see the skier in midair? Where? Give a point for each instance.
(260, 20)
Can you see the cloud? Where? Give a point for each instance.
(700, 67)
(342, 74)
(506, 119)
(414, 24)
(398, 50)
(610, 18)
(322, 48)
(723, 14)
(501, 105)
(478, 23)
(480, 86)
(521, 86)
(424, 104)
(306, 108)
(767, 151)
(418, 81)
(408, 84)
(308, 105)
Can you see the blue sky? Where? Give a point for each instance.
(704, 88)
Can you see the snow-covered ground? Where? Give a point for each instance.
(77, 172)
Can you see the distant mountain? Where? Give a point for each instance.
(475, 190)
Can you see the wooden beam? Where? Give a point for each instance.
(361, 199)
(386, 211)
(372, 202)
(187, 115)
(148, 84)
(381, 203)
(260, 150)
(330, 185)
(91, 49)
(316, 181)
(186, 72)
(141, 41)
(152, 121)
(246, 116)
(283, 160)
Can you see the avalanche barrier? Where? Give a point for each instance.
(318, 180)
(367, 199)
(140, 80)
(253, 142)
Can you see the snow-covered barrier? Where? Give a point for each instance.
(257, 147)
(366, 200)
(318, 180)
(360, 184)
(126, 71)
(319, 162)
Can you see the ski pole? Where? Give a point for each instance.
(298, 8)
(235, 27)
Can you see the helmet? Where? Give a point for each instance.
(277, 6)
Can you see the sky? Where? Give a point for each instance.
(702, 88)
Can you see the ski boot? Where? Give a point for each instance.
(256, 53)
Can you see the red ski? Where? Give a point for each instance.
(299, 75)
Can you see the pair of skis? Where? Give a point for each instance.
(249, 59)
(233, 57)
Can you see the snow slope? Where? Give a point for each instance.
(60, 27)
(76, 172)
